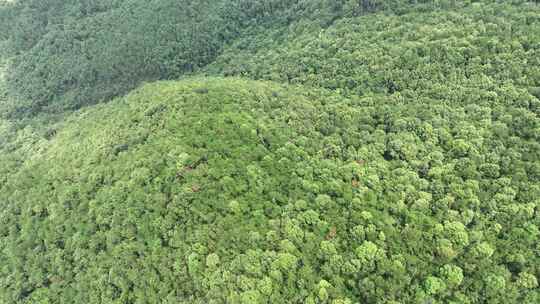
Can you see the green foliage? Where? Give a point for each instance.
(372, 152)
(463, 54)
(68, 54)
(453, 275)
(99, 49)
(280, 204)
(434, 285)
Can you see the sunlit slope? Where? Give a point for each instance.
(470, 54)
(234, 191)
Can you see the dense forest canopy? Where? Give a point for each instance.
(67, 54)
(242, 151)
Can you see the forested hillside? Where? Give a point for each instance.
(242, 151)
(67, 54)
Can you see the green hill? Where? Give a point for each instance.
(457, 54)
(305, 152)
(229, 190)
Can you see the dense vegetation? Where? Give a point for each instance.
(67, 54)
(313, 151)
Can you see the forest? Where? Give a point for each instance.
(269, 151)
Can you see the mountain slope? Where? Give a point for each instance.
(444, 54)
(325, 152)
(235, 191)
(69, 54)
